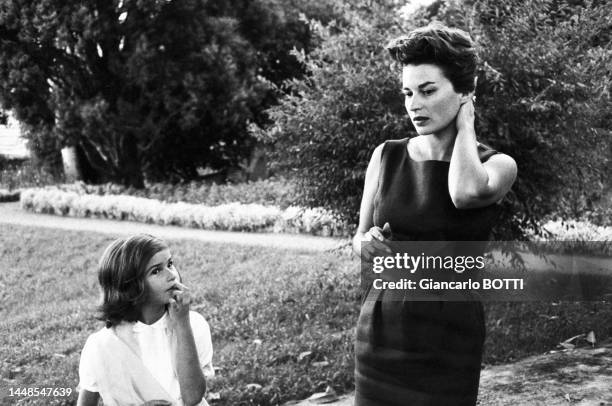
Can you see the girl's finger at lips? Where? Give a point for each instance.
(184, 298)
(176, 295)
(181, 286)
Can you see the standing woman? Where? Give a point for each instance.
(441, 185)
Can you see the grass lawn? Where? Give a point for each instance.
(292, 302)
(283, 320)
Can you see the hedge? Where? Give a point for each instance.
(231, 216)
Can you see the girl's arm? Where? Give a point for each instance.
(366, 231)
(471, 183)
(87, 398)
(190, 375)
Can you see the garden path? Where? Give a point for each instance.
(11, 213)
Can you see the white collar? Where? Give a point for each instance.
(160, 324)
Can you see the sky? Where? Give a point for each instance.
(412, 5)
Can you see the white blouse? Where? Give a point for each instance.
(155, 352)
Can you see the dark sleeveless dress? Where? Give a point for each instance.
(420, 353)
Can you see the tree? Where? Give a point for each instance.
(274, 28)
(543, 93)
(152, 89)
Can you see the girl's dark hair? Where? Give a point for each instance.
(451, 49)
(121, 273)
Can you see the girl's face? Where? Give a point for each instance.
(160, 278)
(431, 101)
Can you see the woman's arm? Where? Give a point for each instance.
(87, 398)
(190, 375)
(366, 231)
(471, 183)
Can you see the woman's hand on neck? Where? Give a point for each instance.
(468, 179)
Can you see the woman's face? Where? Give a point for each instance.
(431, 101)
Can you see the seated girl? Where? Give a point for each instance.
(153, 350)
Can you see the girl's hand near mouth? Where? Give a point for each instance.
(178, 309)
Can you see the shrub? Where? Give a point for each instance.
(22, 174)
(544, 97)
(230, 216)
(579, 237)
(234, 216)
(324, 132)
(567, 230)
(316, 221)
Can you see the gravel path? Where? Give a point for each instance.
(11, 213)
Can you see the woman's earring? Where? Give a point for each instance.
(474, 99)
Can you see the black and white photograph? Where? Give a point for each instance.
(295, 203)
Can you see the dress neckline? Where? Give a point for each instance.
(160, 324)
(420, 161)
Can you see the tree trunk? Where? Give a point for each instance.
(72, 169)
(92, 168)
(130, 164)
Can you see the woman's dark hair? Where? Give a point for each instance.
(121, 273)
(449, 48)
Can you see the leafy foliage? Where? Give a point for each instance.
(543, 98)
(274, 27)
(141, 87)
(147, 89)
(325, 130)
(18, 173)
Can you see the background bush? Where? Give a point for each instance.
(15, 174)
(545, 97)
(324, 131)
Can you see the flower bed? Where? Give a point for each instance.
(268, 192)
(231, 216)
(574, 237)
(573, 230)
